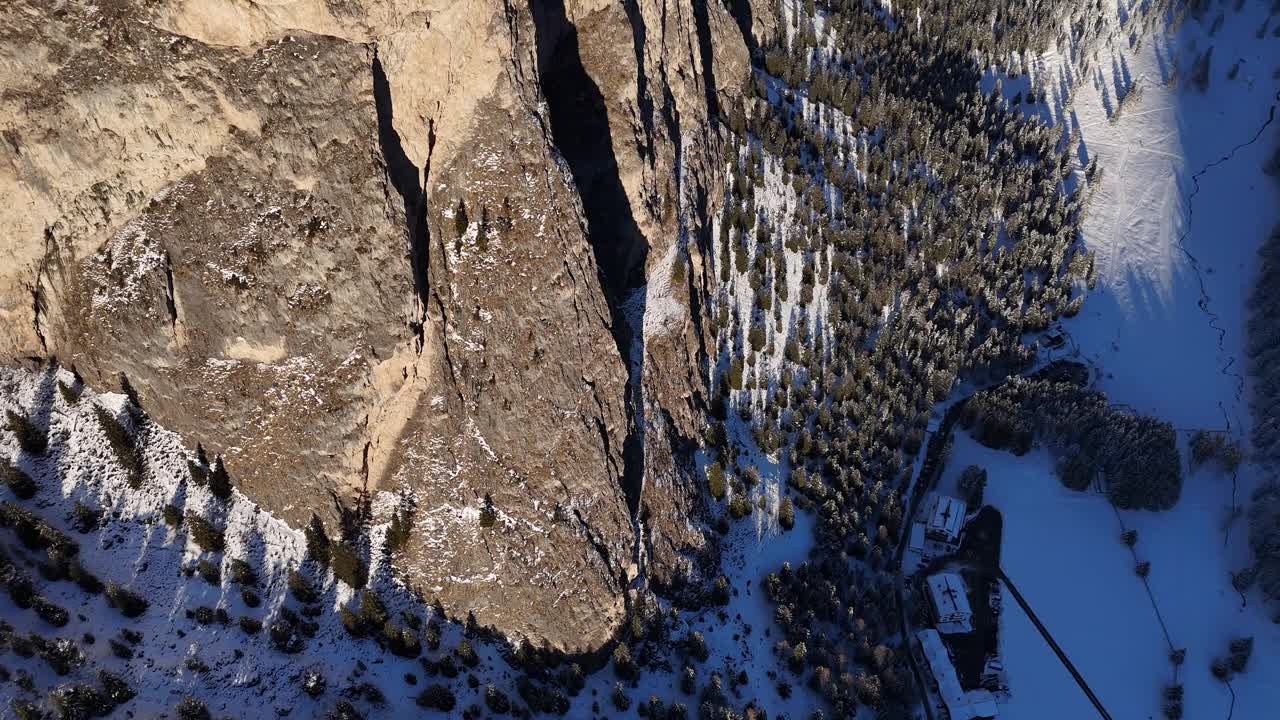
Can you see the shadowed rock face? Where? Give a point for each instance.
(255, 211)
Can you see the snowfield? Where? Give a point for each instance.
(1181, 205)
(1063, 550)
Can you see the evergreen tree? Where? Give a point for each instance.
(716, 481)
(18, 482)
(318, 546)
(31, 439)
(207, 536)
(786, 514)
(460, 221)
(399, 530)
(219, 480)
(488, 514)
(126, 387)
(482, 233)
(123, 444)
(347, 565)
(973, 482)
(437, 697)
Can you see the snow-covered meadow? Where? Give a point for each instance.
(1063, 550)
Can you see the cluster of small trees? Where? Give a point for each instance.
(848, 662)
(342, 557)
(1235, 661)
(61, 563)
(1172, 702)
(287, 630)
(1263, 348)
(1136, 456)
(40, 535)
(62, 655)
(1218, 447)
(79, 700)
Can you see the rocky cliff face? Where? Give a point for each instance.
(451, 250)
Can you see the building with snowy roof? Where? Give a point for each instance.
(936, 530)
(949, 596)
(961, 704)
(944, 518)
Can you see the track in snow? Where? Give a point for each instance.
(1204, 300)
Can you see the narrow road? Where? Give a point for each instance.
(930, 471)
(921, 686)
(1062, 656)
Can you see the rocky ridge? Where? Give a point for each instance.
(410, 246)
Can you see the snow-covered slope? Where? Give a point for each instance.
(1181, 211)
(237, 673)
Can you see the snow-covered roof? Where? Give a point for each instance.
(917, 537)
(946, 515)
(962, 705)
(950, 599)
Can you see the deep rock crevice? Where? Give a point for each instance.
(406, 179)
(170, 298)
(740, 10)
(702, 24)
(580, 131)
(643, 100)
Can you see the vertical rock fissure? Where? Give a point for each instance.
(580, 131)
(171, 302)
(741, 12)
(702, 24)
(38, 307)
(406, 179)
(643, 99)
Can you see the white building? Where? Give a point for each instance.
(944, 518)
(936, 532)
(960, 704)
(950, 600)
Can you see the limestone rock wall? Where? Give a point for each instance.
(420, 246)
